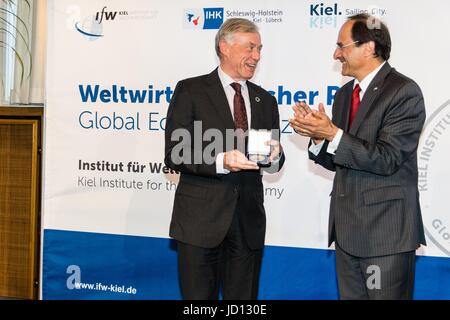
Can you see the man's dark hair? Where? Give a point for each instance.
(368, 28)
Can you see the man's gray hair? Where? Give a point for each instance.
(232, 26)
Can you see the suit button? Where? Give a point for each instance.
(341, 195)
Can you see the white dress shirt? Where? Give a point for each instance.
(226, 81)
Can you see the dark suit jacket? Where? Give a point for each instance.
(204, 200)
(375, 208)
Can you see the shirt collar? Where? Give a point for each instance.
(364, 84)
(227, 80)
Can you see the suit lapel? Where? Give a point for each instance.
(219, 99)
(255, 102)
(372, 92)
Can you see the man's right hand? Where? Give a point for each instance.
(236, 161)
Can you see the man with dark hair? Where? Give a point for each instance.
(366, 28)
(218, 215)
(371, 143)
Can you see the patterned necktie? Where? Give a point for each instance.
(355, 105)
(240, 115)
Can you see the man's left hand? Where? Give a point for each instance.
(275, 148)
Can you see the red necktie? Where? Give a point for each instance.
(240, 115)
(355, 105)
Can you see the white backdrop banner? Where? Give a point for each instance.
(111, 70)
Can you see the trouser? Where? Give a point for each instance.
(388, 277)
(232, 266)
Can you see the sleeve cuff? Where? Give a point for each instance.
(219, 165)
(315, 148)
(333, 145)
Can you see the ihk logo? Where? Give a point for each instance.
(323, 16)
(212, 18)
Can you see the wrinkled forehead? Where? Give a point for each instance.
(246, 37)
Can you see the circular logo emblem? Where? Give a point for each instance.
(90, 28)
(434, 177)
